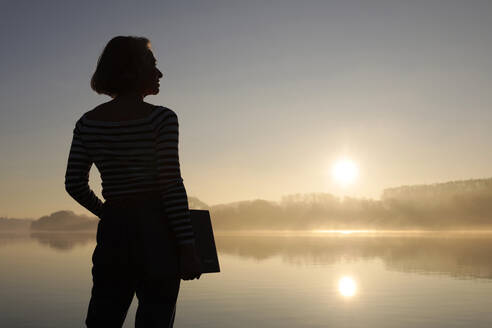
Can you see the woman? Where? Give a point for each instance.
(145, 240)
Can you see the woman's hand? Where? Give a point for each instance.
(189, 262)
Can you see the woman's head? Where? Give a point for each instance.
(126, 65)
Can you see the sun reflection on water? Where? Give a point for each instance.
(347, 286)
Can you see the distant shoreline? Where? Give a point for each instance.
(348, 232)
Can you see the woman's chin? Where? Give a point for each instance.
(152, 92)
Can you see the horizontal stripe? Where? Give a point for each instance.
(111, 137)
(180, 221)
(121, 144)
(184, 234)
(127, 176)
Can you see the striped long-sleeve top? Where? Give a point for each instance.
(131, 156)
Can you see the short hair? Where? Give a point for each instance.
(119, 64)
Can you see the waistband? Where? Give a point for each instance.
(135, 197)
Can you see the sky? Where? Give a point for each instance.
(269, 94)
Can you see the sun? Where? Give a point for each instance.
(345, 172)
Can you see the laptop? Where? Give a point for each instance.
(204, 240)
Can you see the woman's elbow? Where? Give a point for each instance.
(73, 188)
(69, 189)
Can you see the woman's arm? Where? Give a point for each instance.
(171, 184)
(77, 175)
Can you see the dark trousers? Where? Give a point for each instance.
(135, 253)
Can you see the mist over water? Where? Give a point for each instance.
(454, 205)
(457, 254)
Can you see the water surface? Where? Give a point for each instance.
(272, 280)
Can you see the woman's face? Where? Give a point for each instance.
(150, 75)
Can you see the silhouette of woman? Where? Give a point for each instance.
(145, 240)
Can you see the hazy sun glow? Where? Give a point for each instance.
(344, 172)
(347, 286)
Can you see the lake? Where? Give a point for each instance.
(272, 280)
